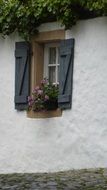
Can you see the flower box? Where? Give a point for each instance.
(44, 114)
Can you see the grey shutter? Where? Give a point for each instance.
(22, 74)
(66, 57)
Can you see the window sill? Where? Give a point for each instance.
(44, 114)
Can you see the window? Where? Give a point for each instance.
(51, 62)
(52, 56)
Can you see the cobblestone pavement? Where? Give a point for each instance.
(93, 179)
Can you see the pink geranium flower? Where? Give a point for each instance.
(44, 81)
(37, 88)
(29, 99)
(46, 97)
(40, 92)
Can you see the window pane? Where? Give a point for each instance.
(52, 55)
(52, 74)
(58, 74)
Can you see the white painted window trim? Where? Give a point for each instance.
(46, 59)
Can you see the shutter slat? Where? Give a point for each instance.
(64, 98)
(20, 99)
(22, 73)
(20, 53)
(66, 73)
(65, 52)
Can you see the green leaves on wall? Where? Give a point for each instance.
(25, 16)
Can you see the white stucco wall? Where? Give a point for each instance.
(76, 140)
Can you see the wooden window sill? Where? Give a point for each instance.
(44, 114)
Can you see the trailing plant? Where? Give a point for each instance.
(25, 16)
(43, 96)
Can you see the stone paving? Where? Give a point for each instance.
(93, 179)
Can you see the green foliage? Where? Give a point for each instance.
(25, 16)
(43, 95)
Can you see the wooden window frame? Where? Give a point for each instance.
(37, 66)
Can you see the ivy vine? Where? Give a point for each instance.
(25, 16)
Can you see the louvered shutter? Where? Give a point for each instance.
(66, 73)
(22, 74)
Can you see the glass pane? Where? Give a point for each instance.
(58, 74)
(52, 74)
(52, 55)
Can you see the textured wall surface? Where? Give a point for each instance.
(78, 139)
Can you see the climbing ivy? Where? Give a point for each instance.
(25, 16)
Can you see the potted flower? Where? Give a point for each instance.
(44, 97)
